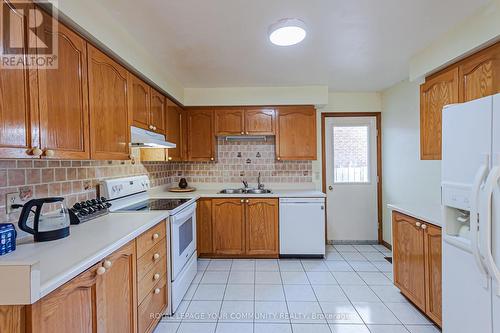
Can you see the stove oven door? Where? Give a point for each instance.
(183, 236)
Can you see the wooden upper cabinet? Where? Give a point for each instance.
(158, 112)
(200, 128)
(433, 273)
(260, 121)
(63, 96)
(18, 115)
(116, 292)
(435, 93)
(409, 262)
(296, 133)
(204, 227)
(228, 226)
(261, 219)
(176, 131)
(229, 122)
(108, 102)
(480, 74)
(139, 102)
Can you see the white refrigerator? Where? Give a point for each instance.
(471, 216)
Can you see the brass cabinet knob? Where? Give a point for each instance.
(247, 201)
(170, 158)
(424, 226)
(107, 264)
(418, 224)
(156, 256)
(157, 291)
(155, 235)
(278, 158)
(156, 276)
(36, 151)
(211, 158)
(242, 132)
(49, 153)
(242, 200)
(101, 270)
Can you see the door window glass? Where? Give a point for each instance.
(350, 154)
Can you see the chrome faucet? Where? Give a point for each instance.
(260, 186)
(245, 183)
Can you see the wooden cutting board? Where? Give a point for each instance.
(178, 189)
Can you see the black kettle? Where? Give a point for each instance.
(45, 226)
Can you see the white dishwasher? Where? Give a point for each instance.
(302, 227)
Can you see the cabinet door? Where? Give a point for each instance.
(175, 116)
(63, 96)
(139, 102)
(18, 116)
(108, 101)
(480, 74)
(228, 226)
(260, 121)
(434, 95)
(261, 219)
(116, 292)
(201, 142)
(70, 308)
(433, 268)
(229, 122)
(158, 112)
(204, 227)
(408, 253)
(296, 133)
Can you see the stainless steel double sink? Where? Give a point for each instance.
(245, 191)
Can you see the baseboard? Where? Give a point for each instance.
(387, 245)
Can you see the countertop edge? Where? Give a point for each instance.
(80, 267)
(418, 215)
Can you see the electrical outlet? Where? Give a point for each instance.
(19, 198)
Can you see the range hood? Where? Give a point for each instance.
(142, 138)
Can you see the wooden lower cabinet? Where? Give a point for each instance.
(113, 296)
(204, 243)
(95, 301)
(228, 226)
(261, 217)
(240, 227)
(417, 263)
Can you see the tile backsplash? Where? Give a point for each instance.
(73, 180)
(78, 180)
(243, 160)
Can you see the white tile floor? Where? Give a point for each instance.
(348, 292)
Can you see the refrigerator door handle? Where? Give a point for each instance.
(489, 188)
(474, 219)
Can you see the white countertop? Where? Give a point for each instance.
(425, 212)
(59, 261)
(162, 192)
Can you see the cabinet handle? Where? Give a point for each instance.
(154, 128)
(418, 224)
(49, 153)
(247, 201)
(156, 276)
(246, 132)
(150, 126)
(242, 132)
(157, 291)
(424, 226)
(211, 158)
(101, 270)
(36, 151)
(156, 256)
(107, 264)
(170, 158)
(242, 200)
(279, 158)
(155, 236)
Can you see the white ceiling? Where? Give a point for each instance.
(352, 45)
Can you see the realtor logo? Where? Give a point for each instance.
(29, 36)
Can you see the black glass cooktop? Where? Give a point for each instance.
(156, 204)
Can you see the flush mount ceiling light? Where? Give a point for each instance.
(287, 32)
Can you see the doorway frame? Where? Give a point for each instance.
(378, 121)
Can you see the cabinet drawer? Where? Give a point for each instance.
(150, 258)
(150, 310)
(150, 238)
(151, 278)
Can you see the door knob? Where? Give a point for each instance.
(330, 188)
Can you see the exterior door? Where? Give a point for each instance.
(351, 178)
(496, 215)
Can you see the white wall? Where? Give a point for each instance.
(405, 177)
(479, 30)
